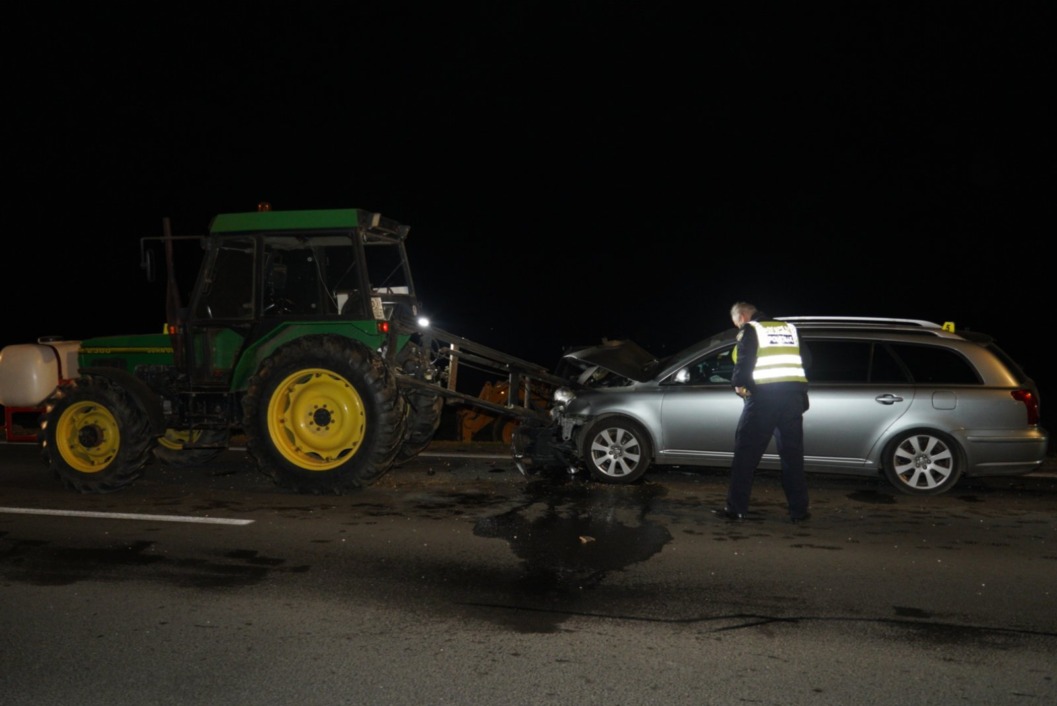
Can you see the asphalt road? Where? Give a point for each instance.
(454, 580)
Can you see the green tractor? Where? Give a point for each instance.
(302, 335)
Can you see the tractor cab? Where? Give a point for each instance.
(265, 276)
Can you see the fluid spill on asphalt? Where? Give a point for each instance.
(571, 537)
(45, 564)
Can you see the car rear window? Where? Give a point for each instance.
(863, 362)
(935, 365)
(1022, 377)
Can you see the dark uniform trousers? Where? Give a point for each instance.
(777, 412)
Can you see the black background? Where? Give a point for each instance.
(570, 171)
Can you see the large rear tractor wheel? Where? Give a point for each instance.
(181, 448)
(95, 438)
(324, 415)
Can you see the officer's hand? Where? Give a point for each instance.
(742, 391)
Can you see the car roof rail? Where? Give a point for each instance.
(860, 320)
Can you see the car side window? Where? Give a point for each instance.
(938, 366)
(855, 362)
(838, 361)
(884, 368)
(715, 369)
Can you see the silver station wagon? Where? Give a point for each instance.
(918, 402)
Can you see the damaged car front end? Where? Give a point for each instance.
(613, 448)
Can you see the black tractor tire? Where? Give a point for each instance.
(923, 462)
(616, 450)
(424, 406)
(323, 415)
(424, 413)
(94, 436)
(171, 451)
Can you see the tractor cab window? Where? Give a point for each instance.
(391, 293)
(343, 276)
(295, 280)
(227, 282)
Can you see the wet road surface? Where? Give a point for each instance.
(455, 580)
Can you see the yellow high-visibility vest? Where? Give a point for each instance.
(778, 356)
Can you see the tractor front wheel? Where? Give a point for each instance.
(95, 438)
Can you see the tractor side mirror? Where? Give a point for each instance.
(147, 262)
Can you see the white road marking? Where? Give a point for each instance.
(125, 516)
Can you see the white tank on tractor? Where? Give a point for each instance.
(30, 372)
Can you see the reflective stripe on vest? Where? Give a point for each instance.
(778, 357)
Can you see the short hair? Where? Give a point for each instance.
(743, 308)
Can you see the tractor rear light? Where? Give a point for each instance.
(1030, 401)
(383, 327)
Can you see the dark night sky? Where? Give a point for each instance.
(570, 171)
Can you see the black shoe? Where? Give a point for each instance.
(727, 514)
(797, 519)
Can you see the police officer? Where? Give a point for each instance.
(769, 376)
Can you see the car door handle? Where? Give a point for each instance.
(888, 398)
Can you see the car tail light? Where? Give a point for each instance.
(1030, 401)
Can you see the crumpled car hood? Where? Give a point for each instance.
(625, 358)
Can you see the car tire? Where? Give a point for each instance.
(923, 462)
(616, 451)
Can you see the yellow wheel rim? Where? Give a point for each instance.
(87, 437)
(175, 439)
(316, 419)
